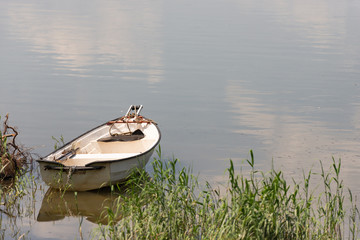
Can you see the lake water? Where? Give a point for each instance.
(219, 77)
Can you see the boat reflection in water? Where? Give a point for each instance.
(92, 205)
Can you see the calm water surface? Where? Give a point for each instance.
(220, 78)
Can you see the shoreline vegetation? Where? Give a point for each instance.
(17, 184)
(170, 203)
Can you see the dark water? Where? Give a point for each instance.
(220, 78)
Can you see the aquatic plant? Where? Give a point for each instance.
(58, 142)
(173, 205)
(17, 199)
(16, 187)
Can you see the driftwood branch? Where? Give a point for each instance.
(7, 135)
(13, 156)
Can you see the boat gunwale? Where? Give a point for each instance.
(42, 159)
(72, 168)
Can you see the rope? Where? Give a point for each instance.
(138, 119)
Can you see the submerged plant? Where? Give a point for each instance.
(17, 199)
(172, 205)
(17, 188)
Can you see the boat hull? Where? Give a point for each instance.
(92, 177)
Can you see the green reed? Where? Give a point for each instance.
(171, 204)
(17, 202)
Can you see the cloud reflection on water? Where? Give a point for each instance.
(324, 28)
(293, 138)
(301, 109)
(128, 38)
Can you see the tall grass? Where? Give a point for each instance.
(172, 205)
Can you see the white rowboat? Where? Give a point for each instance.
(104, 155)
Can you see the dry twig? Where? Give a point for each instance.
(13, 156)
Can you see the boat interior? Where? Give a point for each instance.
(100, 145)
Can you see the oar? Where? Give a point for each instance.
(70, 153)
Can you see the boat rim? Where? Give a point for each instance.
(42, 159)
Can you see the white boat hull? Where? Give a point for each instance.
(103, 156)
(84, 179)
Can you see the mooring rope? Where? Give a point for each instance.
(137, 119)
